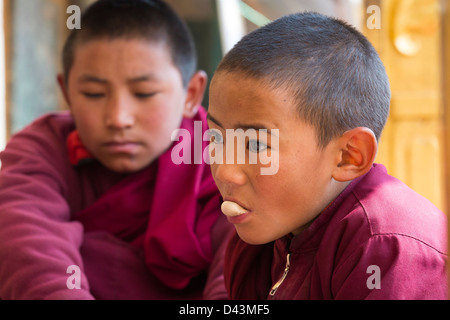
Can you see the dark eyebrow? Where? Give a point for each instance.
(147, 77)
(255, 127)
(90, 78)
(241, 126)
(211, 118)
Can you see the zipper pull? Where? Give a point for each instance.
(279, 282)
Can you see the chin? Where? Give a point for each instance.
(254, 237)
(125, 166)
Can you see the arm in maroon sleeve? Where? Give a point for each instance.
(38, 242)
(392, 267)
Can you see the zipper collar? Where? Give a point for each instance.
(283, 276)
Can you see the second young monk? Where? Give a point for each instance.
(91, 204)
(328, 223)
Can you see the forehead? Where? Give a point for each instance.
(123, 58)
(238, 95)
(109, 49)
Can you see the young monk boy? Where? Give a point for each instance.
(91, 203)
(329, 223)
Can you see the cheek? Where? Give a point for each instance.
(305, 183)
(213, 168)
(287, 188)
(270, 189)
(301, 165)
(220, 186)
(151, 119)
(88, 123)
(87, 115)
(156, 127)
(166, 110)
(160, 122)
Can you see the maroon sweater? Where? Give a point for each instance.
(377, 240)
(153, 234)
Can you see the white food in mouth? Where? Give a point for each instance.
(232, 209)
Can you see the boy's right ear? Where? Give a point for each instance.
(63, 87)
(356, 154)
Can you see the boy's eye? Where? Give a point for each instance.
(142, 95)
(215, 137)
(256, 146)
(93, 95)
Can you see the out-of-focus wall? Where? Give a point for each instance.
(35, 30)
(409, 42)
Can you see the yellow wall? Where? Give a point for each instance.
(409, 43)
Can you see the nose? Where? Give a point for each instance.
(119, 113)
(229, 174)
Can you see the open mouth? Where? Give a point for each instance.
(232, 209)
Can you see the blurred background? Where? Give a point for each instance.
(411, 36)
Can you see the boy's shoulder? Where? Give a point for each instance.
(50, 125)
(383, 223)
(388, 207)
(44, 138)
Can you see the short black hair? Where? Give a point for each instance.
(150, 20)
(333, 72)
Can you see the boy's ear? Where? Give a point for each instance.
(357, 151)
(195, 92)
(63, 87)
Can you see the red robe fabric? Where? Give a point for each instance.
(153, 234)
(377, 240)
